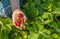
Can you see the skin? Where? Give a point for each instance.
(15, 4)
(14, 16)
(16, 10)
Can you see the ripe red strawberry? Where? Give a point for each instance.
(17, 23)
(20, 15)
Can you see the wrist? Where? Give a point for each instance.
(15, 9)
(15, 4)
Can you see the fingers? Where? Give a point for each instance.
(15, 15)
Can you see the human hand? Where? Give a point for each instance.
(18, 18)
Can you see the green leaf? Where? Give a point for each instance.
(33, 28)
(47, 15)
(46, 31)
(32, 5)
(26, 5)
(47, 21)
(41, 27)
(8, 27)
(54, 25)
(39, 20)
(56, 11)
(4, 34)
(33, 35)
(55, 36)
(37, 2)
(34, 12)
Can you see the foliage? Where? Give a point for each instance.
(43, 21)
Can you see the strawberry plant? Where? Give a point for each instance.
(43, 21)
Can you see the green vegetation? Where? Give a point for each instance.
(43, 21)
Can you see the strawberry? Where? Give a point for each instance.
(17, 23)
(20, 15)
